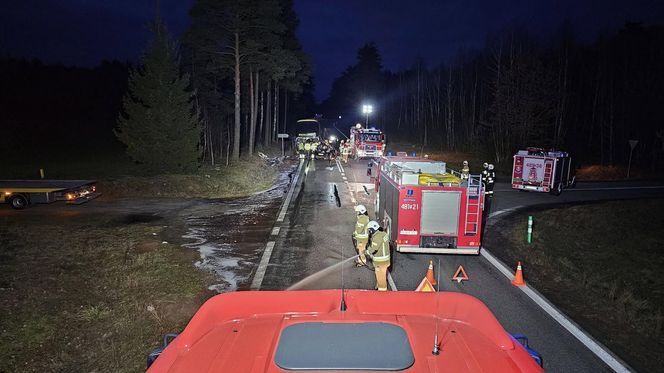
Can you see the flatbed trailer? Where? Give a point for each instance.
(22, 193)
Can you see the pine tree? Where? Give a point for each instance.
(159, 124)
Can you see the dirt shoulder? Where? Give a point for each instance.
(601, 264)
(94, 288)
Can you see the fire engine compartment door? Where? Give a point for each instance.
(440, 212)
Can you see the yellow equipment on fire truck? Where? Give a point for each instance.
(428, 208)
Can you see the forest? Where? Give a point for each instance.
(250, 79)
(519, 91)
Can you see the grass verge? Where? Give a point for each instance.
(601, 264)
(90, 296)
(242, 178)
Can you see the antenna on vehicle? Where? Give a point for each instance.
(343, 296)
(436, 345)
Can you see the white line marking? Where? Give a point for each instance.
(267, 253)
(500, 212)
(262, 267)
(344, 178)
(284, 206)
(390, 281)
(597, 348)
(615, 188)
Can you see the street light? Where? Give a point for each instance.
(367, 109)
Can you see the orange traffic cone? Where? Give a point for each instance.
(430, 276)
(518, 277)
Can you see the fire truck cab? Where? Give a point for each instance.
(427, 208)
(539, 170)
(366, 142)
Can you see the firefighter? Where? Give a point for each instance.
(379, 253)
(345, 148)
(300, 146)
(465, 171)
(490, 180)
(361, 235)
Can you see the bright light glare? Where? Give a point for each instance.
(367, 109)
(333, 138)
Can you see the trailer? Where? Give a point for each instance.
(539, 170)
(22, 193)
(426, 208)
(366, 142)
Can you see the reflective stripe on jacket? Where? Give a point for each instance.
(360, 232)
(380, 247)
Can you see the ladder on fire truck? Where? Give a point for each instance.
(473, 204)
(548, 171)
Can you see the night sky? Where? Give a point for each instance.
(84, 32)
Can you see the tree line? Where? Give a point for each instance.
(520, 91)
(242, 71)
(249, 71)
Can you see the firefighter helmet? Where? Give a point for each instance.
(373, 226)
(485, 165)
(360, 209)
(490, 167)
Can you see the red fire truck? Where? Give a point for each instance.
(426, 208)
(539, 170)
(366, 142)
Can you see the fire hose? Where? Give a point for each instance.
(366, 263)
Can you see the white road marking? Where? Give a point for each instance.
(390, 281)
(267, 253)
(597, 348)
(500, 212)
(284, 206)
(344, 177)
(615, 188)
(262, 267)
(339, 166)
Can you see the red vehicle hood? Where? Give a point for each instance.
(240, 331)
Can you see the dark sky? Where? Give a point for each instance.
(83, 32)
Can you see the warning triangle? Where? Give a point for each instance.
(460, 275)
(425, 286)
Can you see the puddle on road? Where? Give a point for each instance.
(230, 235)
(138, 218)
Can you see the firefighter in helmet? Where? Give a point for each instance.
(379, 253)
(361, 235)
(490, 180)
(465, 171)
(345, 149)
(485, 173)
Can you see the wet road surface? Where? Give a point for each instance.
(309, 250)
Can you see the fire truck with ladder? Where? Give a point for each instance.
(426, 208)
(366, 142)
(539, 170)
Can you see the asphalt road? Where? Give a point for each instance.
(312, 247)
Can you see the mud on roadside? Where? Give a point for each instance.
(96, 288)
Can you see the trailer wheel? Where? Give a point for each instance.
(558, 190)
(18, 202)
